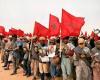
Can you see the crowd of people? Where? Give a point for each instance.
(72, 58)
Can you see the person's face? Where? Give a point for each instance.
(42, 42)
(81, 44)
(97, 46)
(36, 49)
(65, 41)
(52, 42)
(34, 40)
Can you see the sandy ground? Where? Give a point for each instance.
(5, 74)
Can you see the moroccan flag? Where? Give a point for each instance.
(20, 32)
(71, 25)
(6, 33)
(13, 31)
(36, 30)
(78, 22)
(54, 26)
(65, 20)
(2, 30)
(40, 30)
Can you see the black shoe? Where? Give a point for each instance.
(13, 73)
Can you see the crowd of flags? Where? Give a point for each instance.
(13, 31)
(70, 25)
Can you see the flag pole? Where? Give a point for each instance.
(48, 41)
(30, 48)
(48, 44)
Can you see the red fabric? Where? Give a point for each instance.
(20, 33)
(36, 30)
(92, 34)
(26, 34)
(30, 35)
(6, 33)
(2, 29)
(96, 37)
(70, 52)
(40, 30)
(71, 25)
(78, 22)
(13, 31)
(65, 30)
(54, 26)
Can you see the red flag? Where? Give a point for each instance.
(13, 31)
(54, 26)
(77, 22)
(6, 33)
(71, 25)
(20, 33)
(65, 30)
(36, 30)
(40, 30)
(2, 30)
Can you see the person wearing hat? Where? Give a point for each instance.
(82, 61)
(35, 62)
(43, 59)
(34, 39)
(2, 45)
(17, 46)
(8, 54)
(52, 47)
(26, 61)
(67, 53)
(5, 55)
(55, 60)
(35, 57)
(96, 60)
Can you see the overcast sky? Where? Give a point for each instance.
(23, 13)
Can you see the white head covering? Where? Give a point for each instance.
(42, 38)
